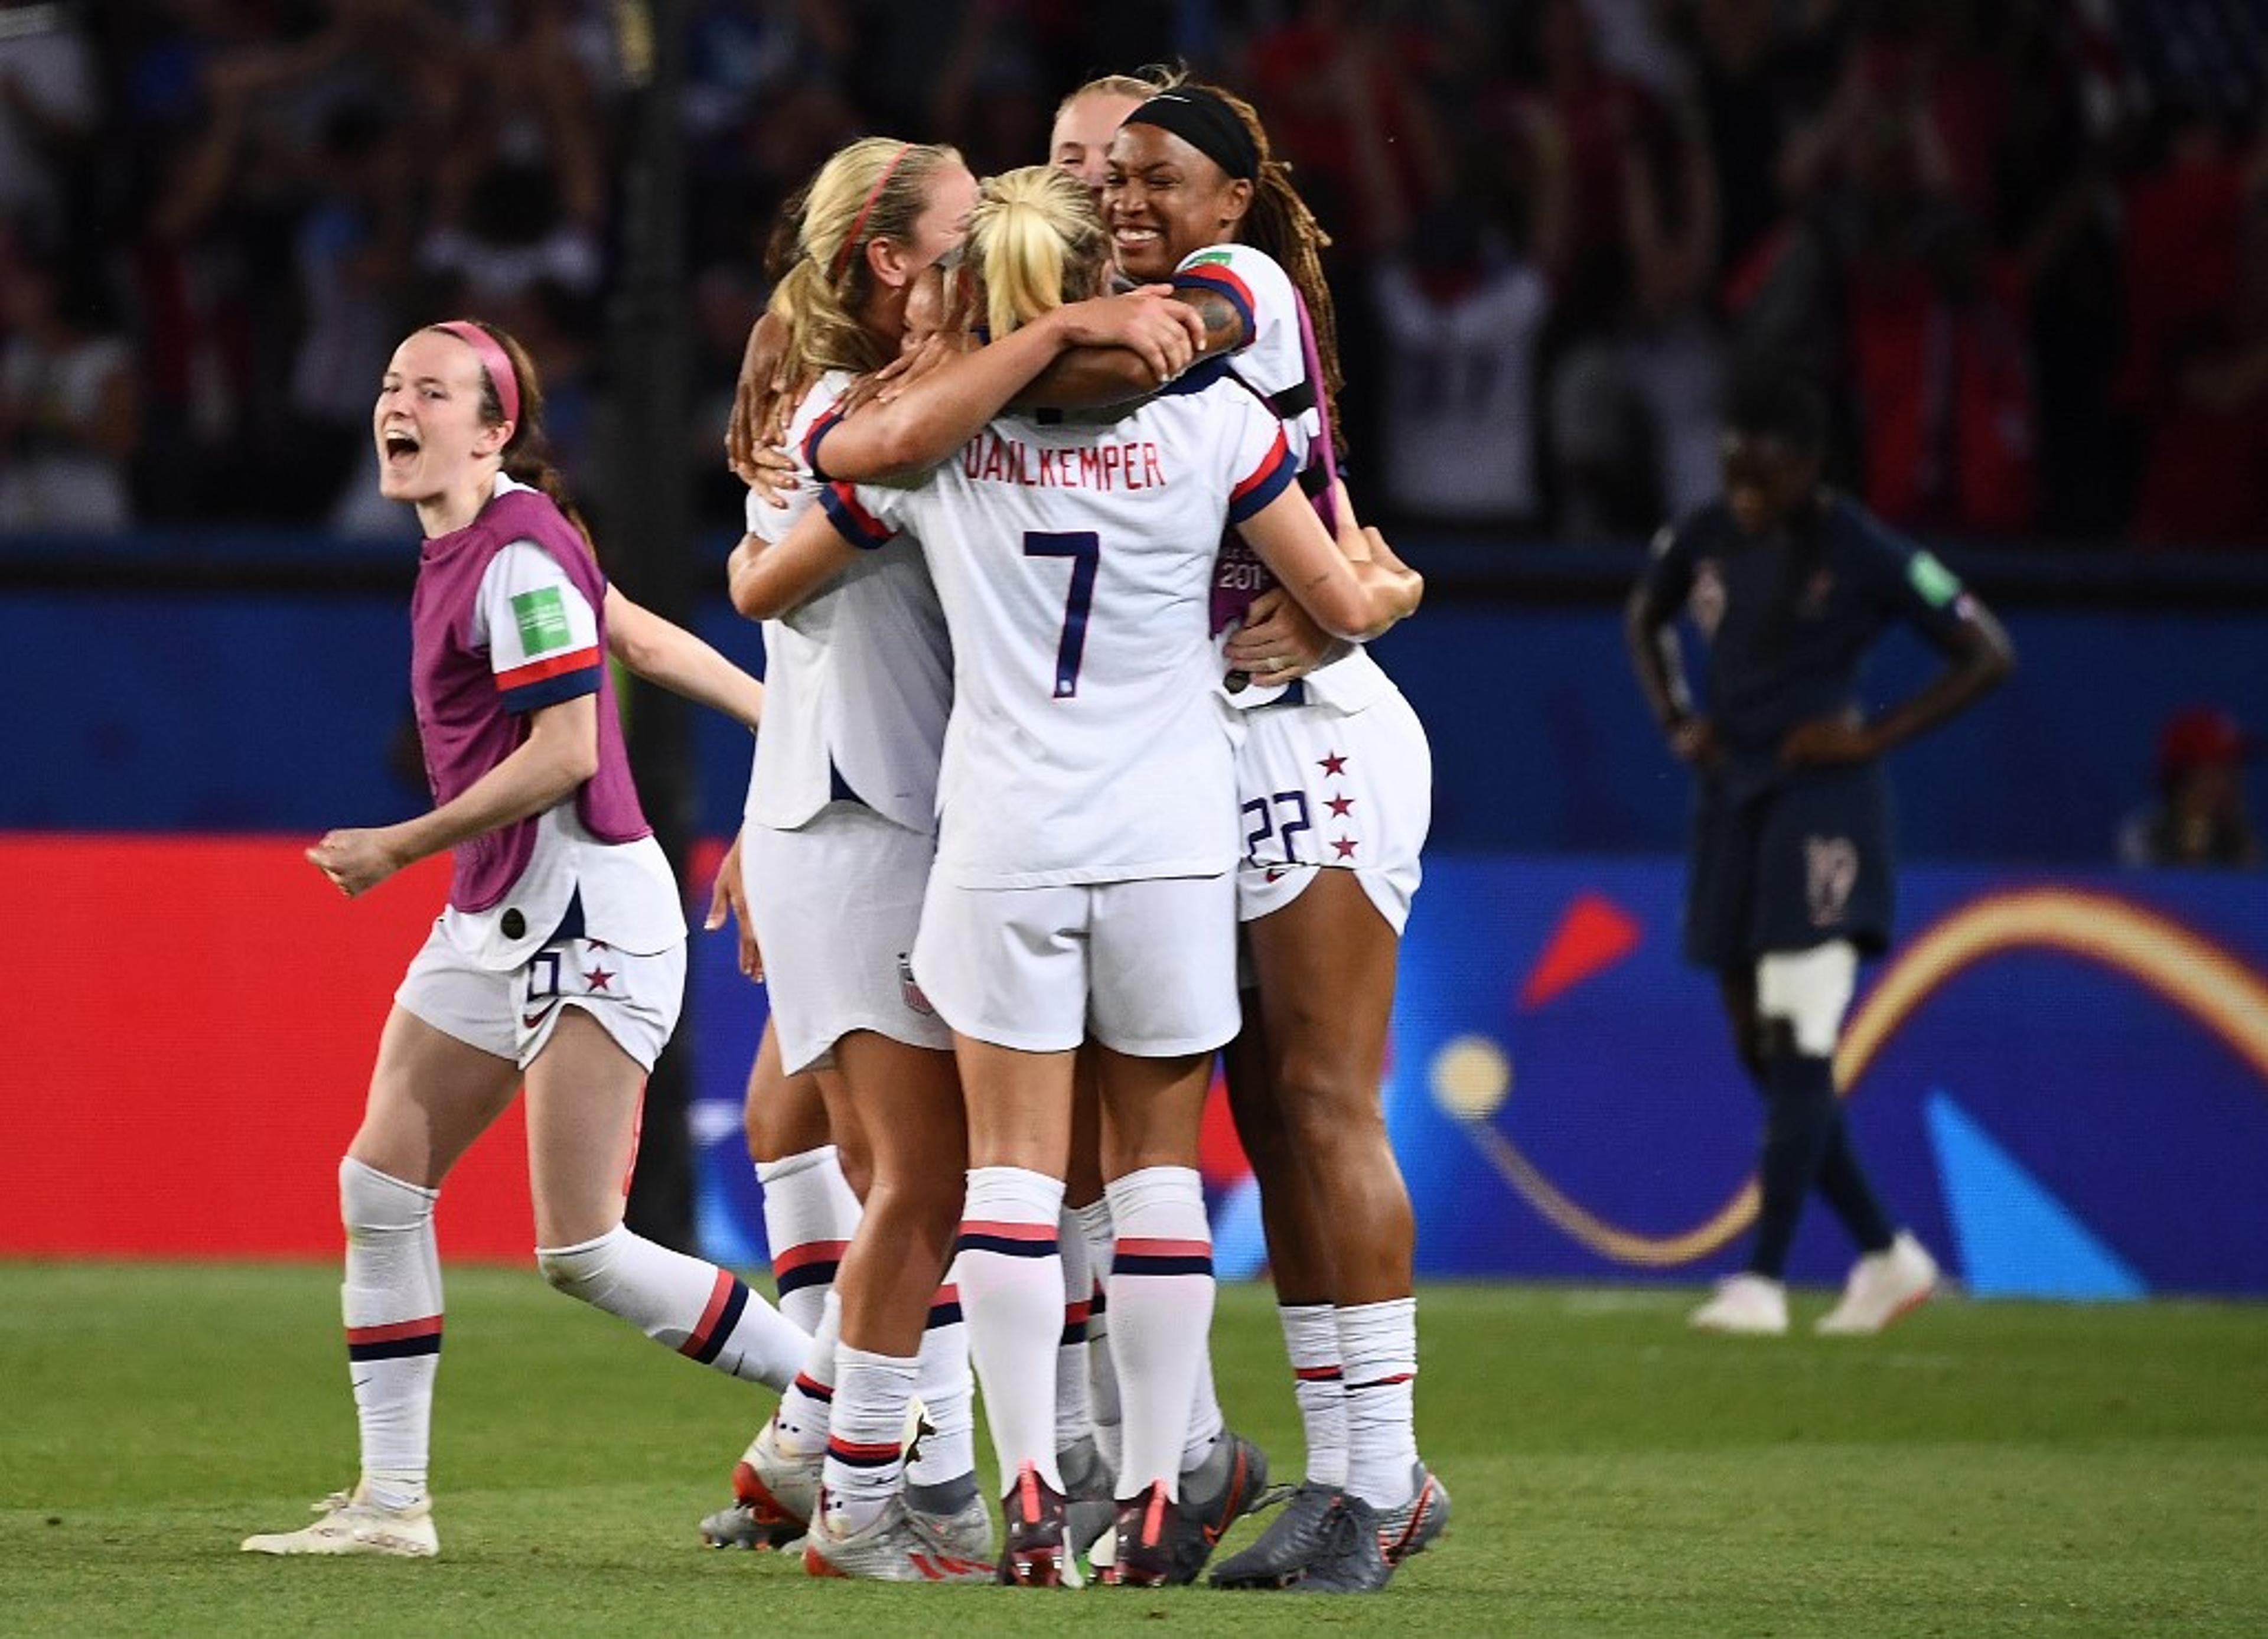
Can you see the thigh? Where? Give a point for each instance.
(909, 1103)
(1152, 1108)
(583, 1094)
(782, 1115)
(1162, 965)
(431, 1095)
(1007, 966)
(1326, 966)
(1019, 1104)
(1720, 873)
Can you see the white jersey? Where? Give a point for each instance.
(1272, 362)
(1074, 562)
(857, 679)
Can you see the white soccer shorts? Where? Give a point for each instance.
(1324, 790)
(1147, 969)
(836, 903)
(512, 1013)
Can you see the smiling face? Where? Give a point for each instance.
(429, 429)
(1163, 199)
(1079, 145)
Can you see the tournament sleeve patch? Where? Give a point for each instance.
(853, 522)
(1936, 584)
(541, 617)
(1264, 483)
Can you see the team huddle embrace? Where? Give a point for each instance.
(1071, 778)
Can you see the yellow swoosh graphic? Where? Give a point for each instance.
(2214, 987)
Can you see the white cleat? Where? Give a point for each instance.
(889, 1547)
(350, 1525)
(1883, 1285)
(780, 1486)
(964, 1535)
(1748, 1305)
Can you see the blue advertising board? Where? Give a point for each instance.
(2059, 1082)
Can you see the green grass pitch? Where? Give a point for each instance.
(1985, 1468)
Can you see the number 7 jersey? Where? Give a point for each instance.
(1074, 560)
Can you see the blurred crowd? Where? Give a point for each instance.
(2026, 240)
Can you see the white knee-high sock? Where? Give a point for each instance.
(703, 1312)
(1311, 1339)
(1012, 1291)
(865, 1440)
(1074, 1420)
(391, 1303)
(1101, 1375)
(806, 1406)
(1378, 1349)
(1161, 1298)
(948, 1393)
(810, 1216)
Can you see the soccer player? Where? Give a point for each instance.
(560, 958)
(1083, 882)
(1789, 877)
(1334, 787)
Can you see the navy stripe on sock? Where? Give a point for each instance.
(1005, 1246)
(1145, 1263)
(943, 1314)
(1073, 1332)
(813, 1274)
(709, 1351)
(396, 1347)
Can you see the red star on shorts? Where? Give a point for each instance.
(1338, 806)
(1332, 763)
(598, 978)
(1345, 846)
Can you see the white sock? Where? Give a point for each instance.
(1378, 1349)
(810, 1216)
(1310, 1338)
(1012, 1291)
(1161, 1297)
(948, 1393)
(1206, 1425)
(865, 1441)
(808, 1405)
(703, 1312)
(1101, 1376)
(392, 1306)
(1073, 1420)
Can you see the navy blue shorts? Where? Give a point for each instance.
(1796, 864)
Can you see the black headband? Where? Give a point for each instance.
(1206, 123)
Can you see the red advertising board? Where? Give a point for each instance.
(187, 1034)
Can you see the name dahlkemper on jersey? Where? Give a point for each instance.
(989, 458)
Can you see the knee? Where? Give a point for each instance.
(583, 1271)
(1325, 1107)
(371, 1202)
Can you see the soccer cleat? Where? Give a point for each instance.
(1089, 1506)
(737, 1526)
(888, 1548)
(1036, 1554)
(778, 1486)
(964, 1534)
(351, 1526)
(1747, 1304)
(1143, 1548)
(1350, 1561)
(1883, 1285)
(1412, 1527)
(1226, 1485)
(1295, 1539)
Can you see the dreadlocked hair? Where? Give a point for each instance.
(875, 189)
(1279, 222)
(1038, 243)
(527, 453)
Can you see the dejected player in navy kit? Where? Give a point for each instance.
(1789, 877)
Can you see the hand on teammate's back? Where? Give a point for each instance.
(1147, 322)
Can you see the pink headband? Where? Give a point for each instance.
(493, 360)
(850, 239)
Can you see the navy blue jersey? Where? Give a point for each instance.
(1788, 617)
